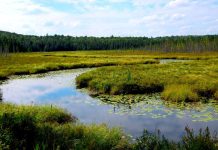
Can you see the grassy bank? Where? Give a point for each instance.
(51, 128)
(184, 81)
(33, 127)
(30, 63)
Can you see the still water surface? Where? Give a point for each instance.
(58, 88)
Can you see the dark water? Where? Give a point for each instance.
(0, 95)
(58, 88)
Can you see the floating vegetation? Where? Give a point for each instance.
(152, 106)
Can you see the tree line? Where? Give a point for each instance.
(12, 42)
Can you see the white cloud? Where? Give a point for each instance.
(95, 18)
(143, 2)
(179, 3)
(76, 1)
(117, 1)
(24, 16)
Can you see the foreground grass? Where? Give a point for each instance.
(187, 81)
(204, 140)
(28, 127)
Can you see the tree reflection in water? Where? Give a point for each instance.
(0, 95)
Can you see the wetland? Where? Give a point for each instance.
(109, 96)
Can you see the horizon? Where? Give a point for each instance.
(105, 18)
(192, 35)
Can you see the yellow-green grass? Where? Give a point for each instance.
(30, 63)
(40, 113)
(34, 127)
(40, 62)
(180, 93)
(216, 95)
(184, 81)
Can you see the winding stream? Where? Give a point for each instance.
(58, 88)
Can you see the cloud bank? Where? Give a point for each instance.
(110, 17)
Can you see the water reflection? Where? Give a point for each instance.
(58, 88)
(0, 95)
(165, 61)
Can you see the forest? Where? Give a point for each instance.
(12, 42)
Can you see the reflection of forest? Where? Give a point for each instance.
(0, 95)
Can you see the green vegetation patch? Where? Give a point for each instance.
(33, 127)
(23, 127)
(190, 141)
(31, 63)
(216, 95)
(39, 113)
(184, 81)
(151, 106)
(180, 93)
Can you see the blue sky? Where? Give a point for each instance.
(110, 17)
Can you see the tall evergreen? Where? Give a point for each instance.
(12, 42)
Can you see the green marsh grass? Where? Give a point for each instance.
(41, 62)
(31, 63)
(182, 81)
(216, 95)
(180, 93)
(34, 127)
(39, 113)
(30, 127)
